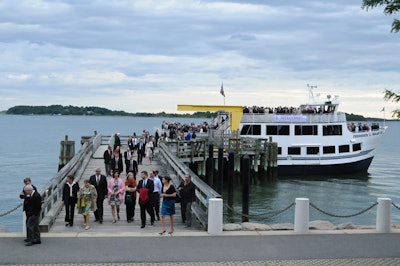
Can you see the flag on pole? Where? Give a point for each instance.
(222, 90)
(383, 109)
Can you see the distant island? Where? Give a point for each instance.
(93, 111)
(99, 111)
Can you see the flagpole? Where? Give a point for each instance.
(384, 117)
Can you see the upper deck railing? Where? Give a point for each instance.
(294, 118)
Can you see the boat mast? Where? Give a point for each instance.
(311, 98)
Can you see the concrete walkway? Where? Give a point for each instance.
(185, 248)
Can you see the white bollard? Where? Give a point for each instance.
(301, 215)
(215, 214)
(383, 221)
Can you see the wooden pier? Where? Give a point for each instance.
(172, 158)
(83, 165)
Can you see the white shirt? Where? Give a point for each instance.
(157, 184)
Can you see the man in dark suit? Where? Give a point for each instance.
(33, 208)
(117, 141)
(127, 154)
(131, 166)
(146, 184)
(69, 198)
(107, 159)
(99, 181)
(140, 150)
(116, 161)
(27, 181)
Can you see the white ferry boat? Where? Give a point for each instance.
(315, 139)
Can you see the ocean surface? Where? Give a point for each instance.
(31, 146)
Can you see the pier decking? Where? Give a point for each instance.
(122, 227)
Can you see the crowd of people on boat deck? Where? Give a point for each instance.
(362, 127)
(286, 110)
(183, 131)
(268, 110)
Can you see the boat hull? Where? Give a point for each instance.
(332, 169)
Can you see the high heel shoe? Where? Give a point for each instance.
(163, 232)
(170, 232)
(87, 227)
(114, 221)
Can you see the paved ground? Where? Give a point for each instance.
(240, 248)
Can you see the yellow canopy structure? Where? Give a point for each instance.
(235, 111)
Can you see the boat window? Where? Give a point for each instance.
(251, 130)
(357, 147)
(312, 150)
(294, 151)
(328, 149)
(278, 130)
(306, 130)
(344, 148)
(332, 130)
(279, 150)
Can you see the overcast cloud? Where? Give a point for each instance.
(150, 55)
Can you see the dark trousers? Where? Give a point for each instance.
(98, 214)
(140, 156)
(108, 168)
(156, 204)
(130, 210)
(149, 208)
(69, 212)
(32, 228)
(186, 212)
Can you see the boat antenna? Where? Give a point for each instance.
(311, 98)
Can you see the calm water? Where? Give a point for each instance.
(31, 144)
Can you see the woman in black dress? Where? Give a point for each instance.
(168, 204)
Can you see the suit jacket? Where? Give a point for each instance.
(128, 165)
(131, 144)
(120, 164)
(107, 156)
(149, 186)
(66, 193)
(101, 188)
(141, 149)
(34, 204)
(127, 154)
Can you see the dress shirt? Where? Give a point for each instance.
(157, 185)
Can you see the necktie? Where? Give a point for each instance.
(144, 183)
(98, 180)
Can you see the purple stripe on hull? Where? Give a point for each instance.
(337, 169)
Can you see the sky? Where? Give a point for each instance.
(151, 55)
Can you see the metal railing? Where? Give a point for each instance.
(52, 192)
(178, 170)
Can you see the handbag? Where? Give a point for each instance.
(128, 199)
(178, 198)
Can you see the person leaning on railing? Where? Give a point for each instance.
(188, 195)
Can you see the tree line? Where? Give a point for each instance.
(93, 110)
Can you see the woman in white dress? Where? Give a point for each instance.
(149, 150)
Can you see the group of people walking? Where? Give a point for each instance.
(141, 148)
(152, 189)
